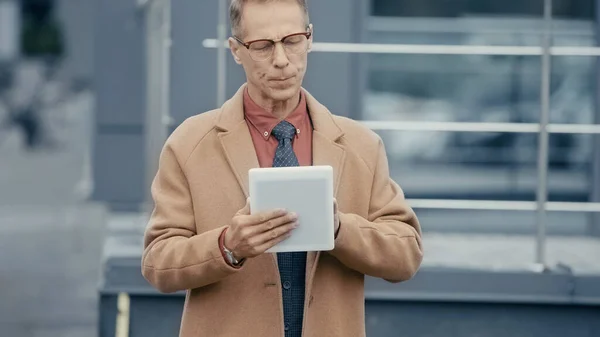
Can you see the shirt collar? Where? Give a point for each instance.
(264, 121)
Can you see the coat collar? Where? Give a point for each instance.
(238, 147)
(232, 114)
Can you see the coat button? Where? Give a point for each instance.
(287, 285)
(286, 326)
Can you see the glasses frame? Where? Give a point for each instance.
(247, 44)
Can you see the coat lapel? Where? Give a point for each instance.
(241, 155)
(236, 140)
(326, 151)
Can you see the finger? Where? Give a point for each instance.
(252, 232)
(265, 216)
(271, 241)
(271, 224)
(272, 234)
(246, 209)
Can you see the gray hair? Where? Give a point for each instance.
(236, 10)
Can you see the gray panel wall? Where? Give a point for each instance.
(77, 18)
(336, 79)
(119, 82)
(193, 67)
(161, 316)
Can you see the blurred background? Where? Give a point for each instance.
(488, 109)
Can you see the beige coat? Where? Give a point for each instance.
(202, 182)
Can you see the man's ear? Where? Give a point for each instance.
(312, 35)
(234, 46)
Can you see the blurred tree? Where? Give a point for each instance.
(41, 35)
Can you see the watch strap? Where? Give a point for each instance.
(227, 254)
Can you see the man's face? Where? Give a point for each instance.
(277, 76)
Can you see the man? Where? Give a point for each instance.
(201, 237)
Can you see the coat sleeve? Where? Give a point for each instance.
(388, 243)
(175, 257)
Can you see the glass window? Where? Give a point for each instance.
(481, 88)
(579, 9)
(465, 88)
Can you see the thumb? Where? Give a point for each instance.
(246, 209)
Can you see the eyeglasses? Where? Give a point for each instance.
(262, 50)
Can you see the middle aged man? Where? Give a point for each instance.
(201, 236)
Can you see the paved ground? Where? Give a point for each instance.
(50, 244)
(49, 269)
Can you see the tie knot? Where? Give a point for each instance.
(283, 130)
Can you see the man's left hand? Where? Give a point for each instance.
(336, 217)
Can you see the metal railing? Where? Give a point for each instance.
(436, 49)
(481, 127)
(501, 205)
(157, 16)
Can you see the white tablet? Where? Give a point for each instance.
(306, 190)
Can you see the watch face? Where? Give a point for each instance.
(232, 259)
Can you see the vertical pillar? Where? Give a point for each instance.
(542, 188)
(76, 19)
(594, 224)
(157, 120)
(359, 62)
(120, 85)
(10, 26)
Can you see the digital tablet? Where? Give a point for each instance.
(305, 190)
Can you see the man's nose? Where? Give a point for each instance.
(280, 58)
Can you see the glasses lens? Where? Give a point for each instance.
(261, 50)
(296, 44)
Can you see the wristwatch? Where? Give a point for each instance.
(230, 258)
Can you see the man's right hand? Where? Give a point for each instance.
(251, 235)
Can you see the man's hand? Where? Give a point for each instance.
(251, 235)
(336, 217)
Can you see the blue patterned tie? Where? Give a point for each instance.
(292, 266)
(284, 132)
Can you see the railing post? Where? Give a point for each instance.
(221, 55)
(594, 219)
(543, 145)
(157, 122)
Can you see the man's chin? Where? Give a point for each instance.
(282, 94)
